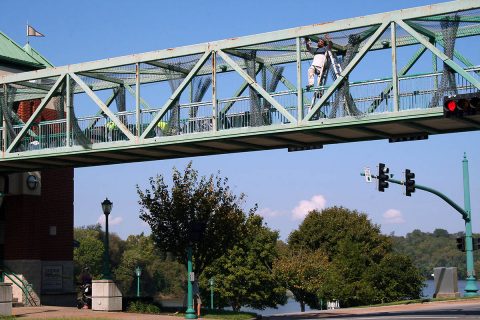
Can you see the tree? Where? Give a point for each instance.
(430, 250)
(327, 228)
(89, 254)
(395, 278)
(91, 249)
(303, 273)
(357, 252)
(172, 214)
(158, 274)
(243, 275)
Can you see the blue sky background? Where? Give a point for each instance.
(281, 183)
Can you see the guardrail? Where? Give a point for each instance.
(372, 96)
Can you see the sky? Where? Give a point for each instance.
(284, 185)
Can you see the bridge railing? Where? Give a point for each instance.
(241, 111)
(374, 96)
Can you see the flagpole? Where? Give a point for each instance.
(28, 39)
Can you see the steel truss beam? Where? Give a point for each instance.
(346, 71)
(119, 124)
(176, 94)
(402, 72)
(257, 87)
(37, 112)
(439, 54)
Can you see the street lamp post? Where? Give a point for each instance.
(190, 313)
(107, 208)
(471, 286)
(211, 293)
(138, 272)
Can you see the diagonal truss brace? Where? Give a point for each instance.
(176, 93)
(401, 73)
(439, 54)
(108, 102)
(348, 69)
(440, 41)
(283, 80)
(102, 106)
(257, 87)
(238, 93)
(37, 112)
(119, 82)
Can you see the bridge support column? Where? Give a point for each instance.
(5, 299)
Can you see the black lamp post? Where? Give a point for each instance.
(107, 208)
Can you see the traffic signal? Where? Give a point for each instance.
(461, 244)
(409, 183)
(476, 243)
(461, 104)
(382, 177)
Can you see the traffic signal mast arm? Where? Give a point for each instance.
(435, 192)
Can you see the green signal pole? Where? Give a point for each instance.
(471, 286)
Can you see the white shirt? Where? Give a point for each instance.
(318, 56)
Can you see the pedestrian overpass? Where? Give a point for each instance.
(247, 93)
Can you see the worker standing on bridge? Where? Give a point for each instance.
(319, 59)
(111, 127)
(162, 128)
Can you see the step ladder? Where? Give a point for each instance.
(331, 60)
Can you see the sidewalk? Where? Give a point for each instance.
(49, 312)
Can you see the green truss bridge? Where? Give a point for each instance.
(248, 93)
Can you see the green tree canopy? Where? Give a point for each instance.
(159, 275)
(243, 275)
(173, 212)
(327, 229)
(89, 253)
(395, 278)
(303, 273)
(357, 253)
(91, 249)
(429, 250)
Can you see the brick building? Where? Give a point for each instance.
(36, 229)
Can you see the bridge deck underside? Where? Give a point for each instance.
(414, 127)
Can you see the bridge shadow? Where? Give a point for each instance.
(30, 311)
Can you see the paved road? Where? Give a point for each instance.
(463, 309)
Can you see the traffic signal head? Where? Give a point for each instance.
(409, 183)
(476, 243)
(461, 244)
(461, 104)
(382, 177)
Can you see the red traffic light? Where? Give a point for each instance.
(451, 105)
(461, 105)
